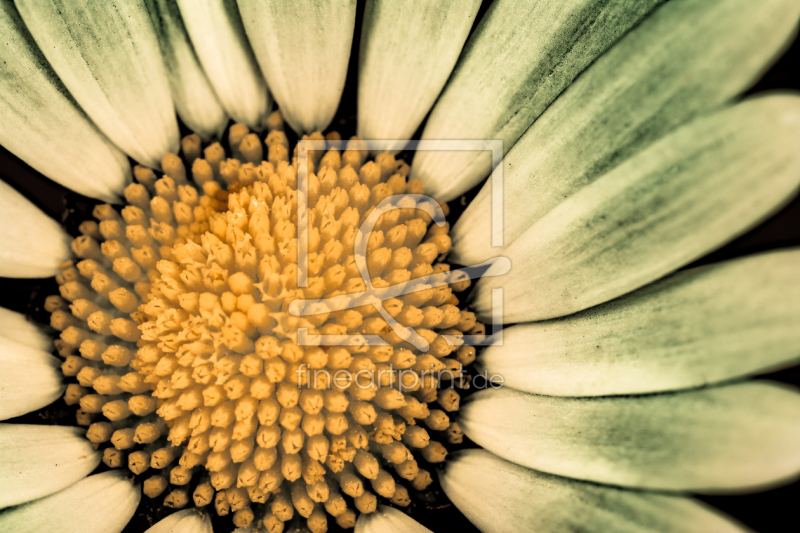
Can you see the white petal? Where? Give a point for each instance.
(30, 380)
(696, 327)
(303, 47)
(195, 100)
(107, 55)
(16, 327)
(687, 58)
(32, 245)
(501, 497)
(103, 503)
(187, 521)
(40, 460)
(710, 440)
(42, 126)
(408, 50)
(219, 39)
(388, 520)
(520, 58)
(685, 195)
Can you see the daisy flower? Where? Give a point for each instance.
(234, 345)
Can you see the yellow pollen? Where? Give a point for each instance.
(187, 365)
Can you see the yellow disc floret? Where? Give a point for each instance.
(192, 370)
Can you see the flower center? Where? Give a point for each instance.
(209, 382)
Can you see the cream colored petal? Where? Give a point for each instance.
(219, 39)
(687, 58)
(303, 47)
(194, 98)
(16, 327)
(107, 56)
(30, 380)
(408, 50)
(388, 520)
(41, 125)
(32, 245)
(103, 503)
(502, 497)
(187, 521)
(685, 195)
(735, 437)
(520, 58)
(40, 460)
(696, 327)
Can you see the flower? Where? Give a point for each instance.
(628, 153)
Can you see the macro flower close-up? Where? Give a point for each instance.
(399, 266)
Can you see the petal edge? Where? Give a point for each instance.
(721, 439)
(501, 497)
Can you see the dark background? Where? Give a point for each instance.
(769, 511)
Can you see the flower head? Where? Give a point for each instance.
(189, 340)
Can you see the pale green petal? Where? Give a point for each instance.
(188, 521)
(686, 58)
(303, 47)
(693, 328)
(388, 520)
(685, 195)
(107, 56)
(30, 380)
(32, 245)
(103, 503)
(16, 327)
(720, 439)
(40, 460)
(218, 36)
(195, 100)
(502, 497)
(408, 50)
(520, 58)
(42, 126)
